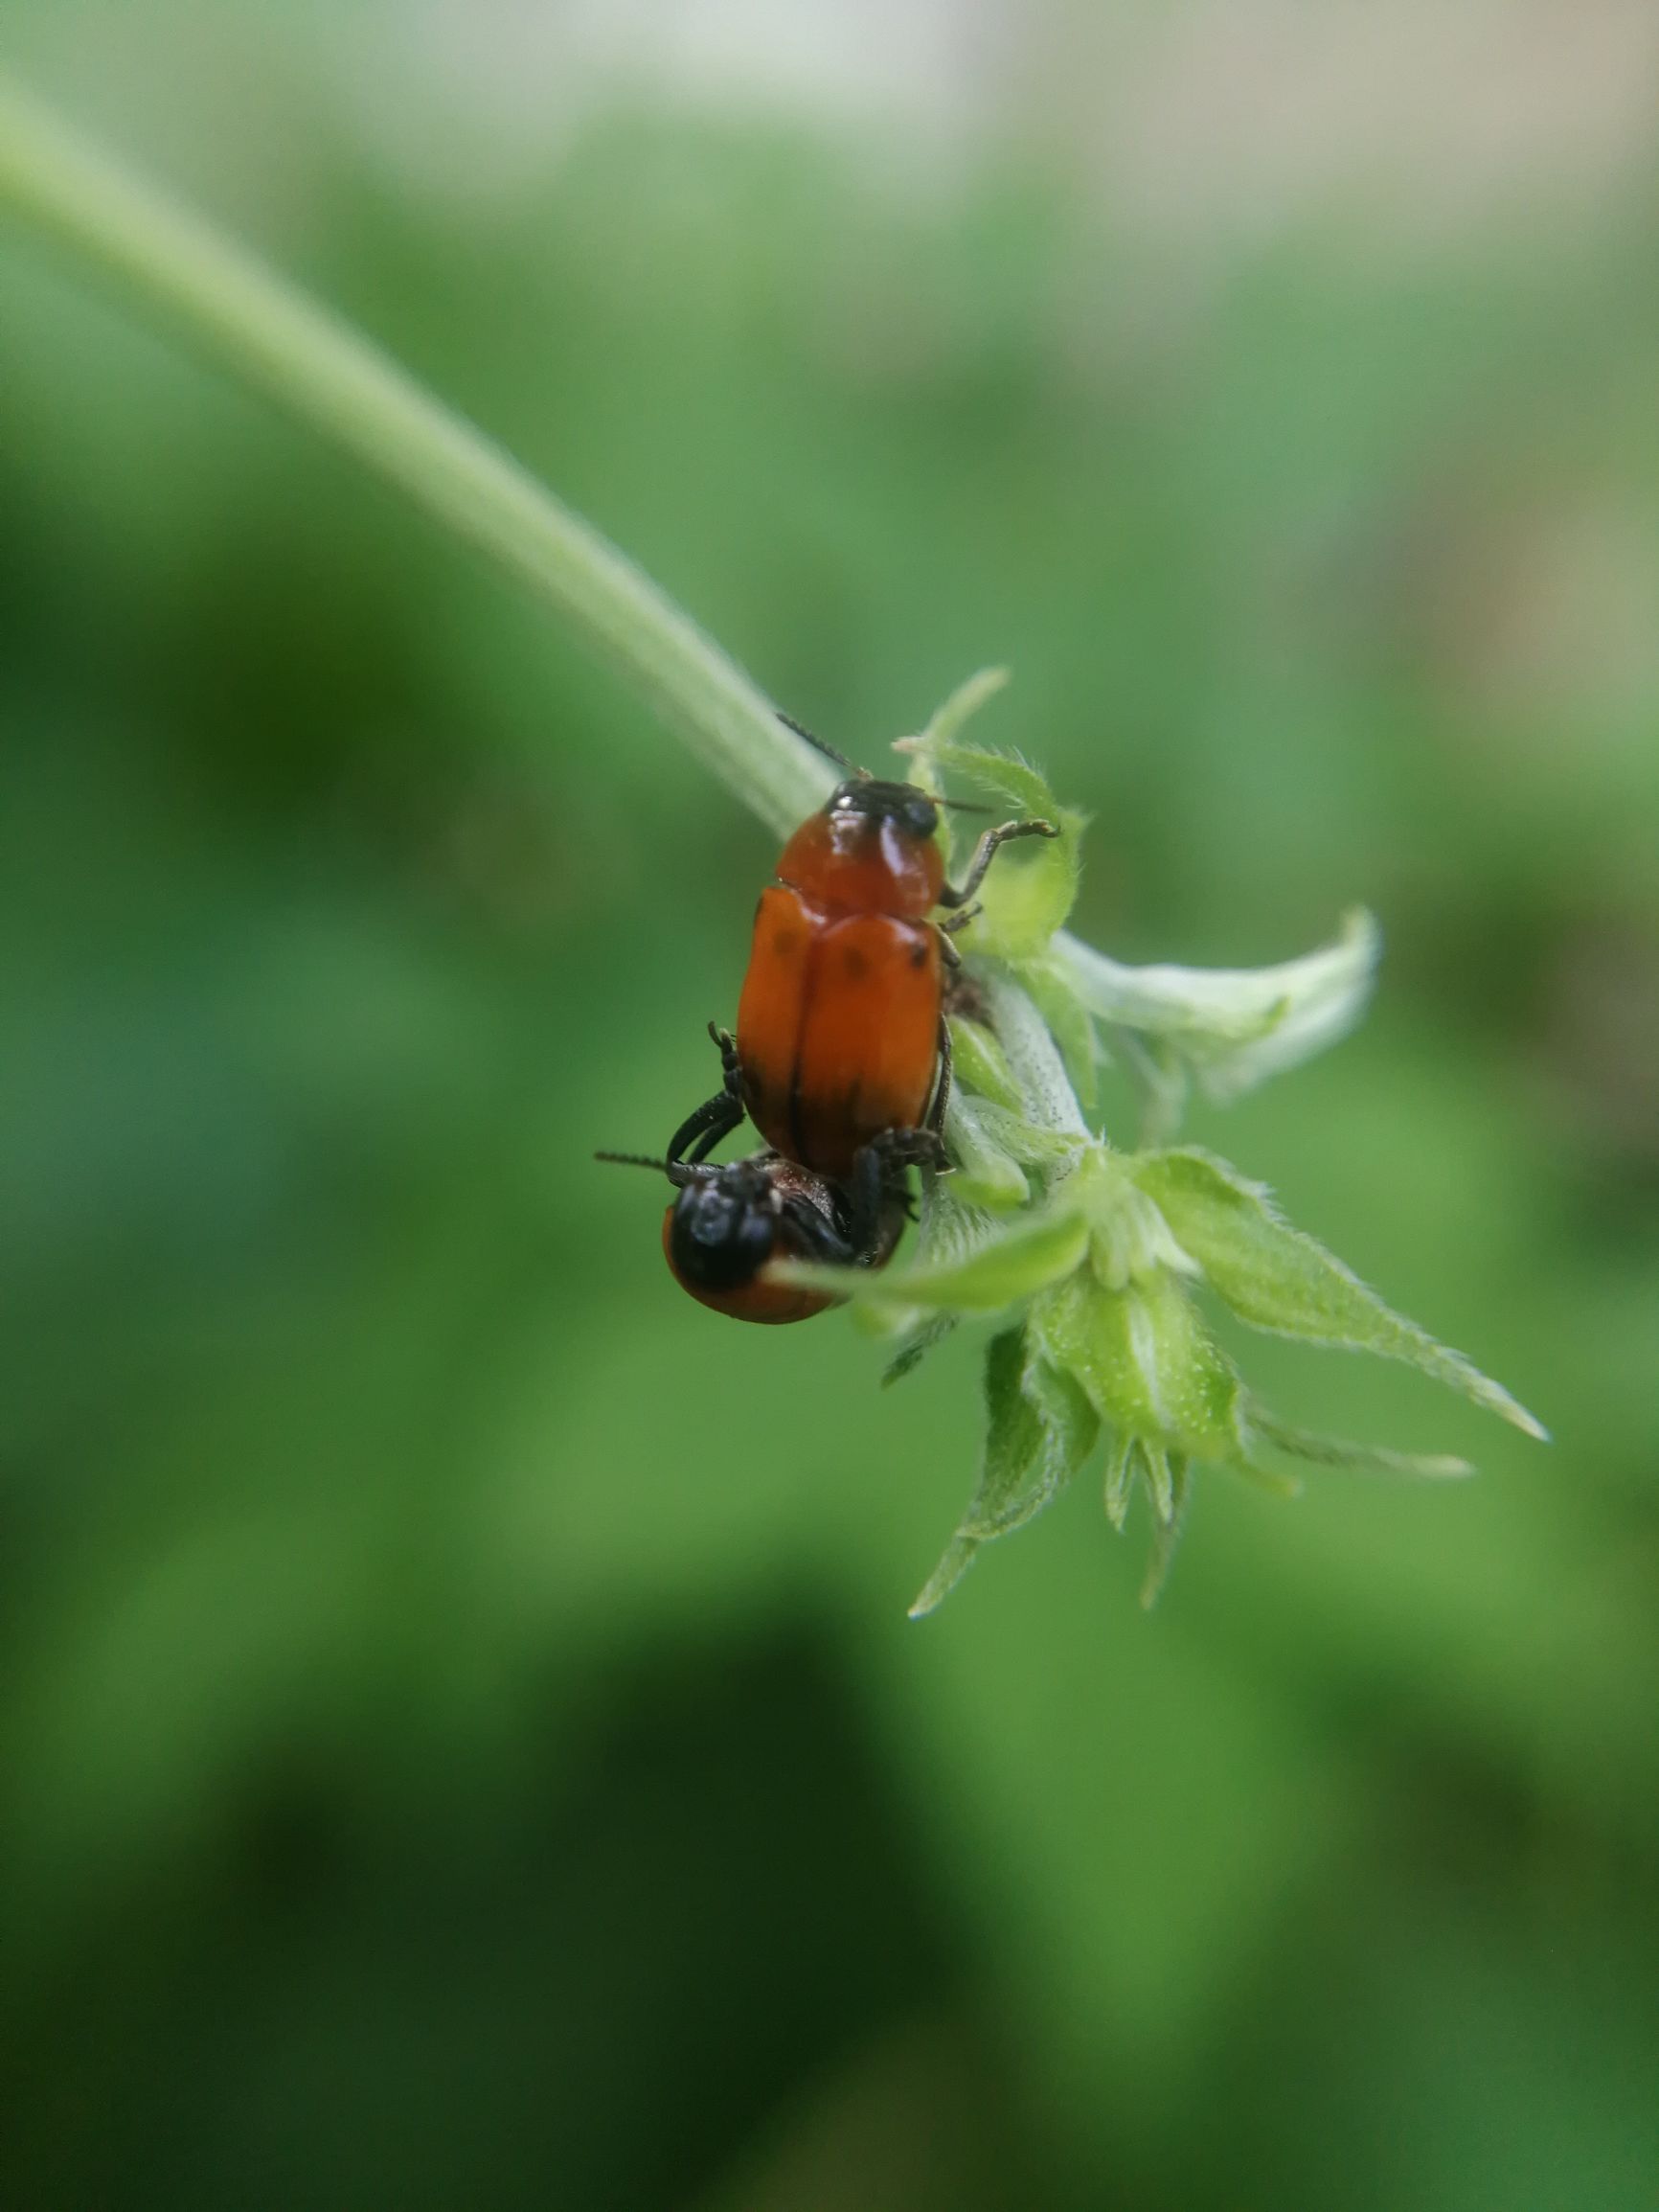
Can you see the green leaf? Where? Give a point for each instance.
(1131, 1240)
(948, 720)
(1060, 1404)
(1272, 1481)
(1123, 1465)
(1160, 1481)
(980, 1063)
(1028, 1142)
(950, 1230)
(1149, 1367)
(960, 709)
(1047, 1100)
(1162, 1080)
(1039, 1431)
(1012, 1266)
(1020, 787)
(985, 1173)
(1034, 1440)
(1277, 1278)
(1028, 895)
(1170, 1483)
(1234, 1026)
(1363, 1458)
(1072, 1024)
(920, 1339)
(1167, 1479)
(1031, 885)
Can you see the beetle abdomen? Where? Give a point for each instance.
(837, 1028)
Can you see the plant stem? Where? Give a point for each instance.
(243, 316)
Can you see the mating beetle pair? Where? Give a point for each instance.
(841, 1058)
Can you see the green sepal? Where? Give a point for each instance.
(1262, 1426)
(1171, 1482)
(950, 1230)
(1122, 1462)
(1231, 1028)
(984, 1172)
(1039, 1429)
(1166, 1478)
(947, 722)
(1130, 1240)
(1072, 1024)
(1012, 1267)
(980, 1064)
(1272, 1481)
(953, 717)
(1149, 1367)
(918, 1339)
(1277, 1278)
(1028, 896)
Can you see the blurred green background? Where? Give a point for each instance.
(461, 1742)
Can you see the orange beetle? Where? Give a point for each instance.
(728, 1224)
(841, 1037)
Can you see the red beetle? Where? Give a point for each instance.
(841, 1037)
(728, 1224)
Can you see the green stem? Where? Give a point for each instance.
(246, 318)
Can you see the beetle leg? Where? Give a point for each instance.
(941, 1100)
(877, 1179)
(716, 1117)
(819, 1239)
(963, 995)
(730, 1068)
(901, 1149)
(986, 852)
(960, 920)
(868, 1188)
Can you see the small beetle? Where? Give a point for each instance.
(728, 1224)
(841, 1035)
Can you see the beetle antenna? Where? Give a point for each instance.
(679, 1172)
(818, 746)
(955, 805)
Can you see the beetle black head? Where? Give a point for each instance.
(724, 1227)
(905, 805)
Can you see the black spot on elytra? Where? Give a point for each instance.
(919, 954)
(855, 963)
